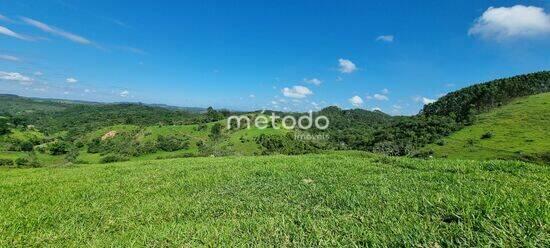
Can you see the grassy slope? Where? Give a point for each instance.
(521, 126)
(311, 200)
(231, 139)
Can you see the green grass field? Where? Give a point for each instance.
(520, 127)
(343, 198)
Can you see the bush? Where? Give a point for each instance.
(30, 161)
(216, 131)
(21, 161)
(423, 154)
(284, 144)
(6, 162)
(26, 146)
(111, 158)
(172, 143)
(72, 156)
(147, 147)
(487, 135)
(59, 148)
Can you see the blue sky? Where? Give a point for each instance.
(285, 55)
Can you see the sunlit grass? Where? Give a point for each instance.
(344, 198)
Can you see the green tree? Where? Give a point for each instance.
(4, 126)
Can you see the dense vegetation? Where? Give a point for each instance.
(37, 129)
(465, 103)
(345, 198)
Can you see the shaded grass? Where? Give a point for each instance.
(333, 199)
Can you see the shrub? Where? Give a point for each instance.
(21, 161)
(172, 143)
(146, 147)
(6, 162)
(94, 146)
(440, 142)
(487, 135)
(284, 144)
(59, 148)
(72, 156)
(216, 131)
(111, 158)
(30, 161)
(201, 127)
(26, 146)
(423, 154)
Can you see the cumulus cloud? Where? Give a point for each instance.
(71, 80)
(385, 91)
(56, 31)
(518, 21)
(356, 101)
(252, 96)
(385, 38)
(124, 93)
(15, 76)
(313, 81)
(346, 66)
(8, 32)
(9, 57)
(380, 97)
(297, 92)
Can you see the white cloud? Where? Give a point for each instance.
(38, 73)
(380, 97)
(338, 79)
(124, 93)
(346, 66)
(252, 96)
(56, 31)
(314, 81)
(397, 106)
(385, 38)
(71, 80)
(133, 50)
(426, 100)
(297, 92)
(356, 101)
(385, 91)
(511, 22)
(8, 32)
(9, 57)
(5, 18)
(15, 76)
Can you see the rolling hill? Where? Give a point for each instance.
(517, 130)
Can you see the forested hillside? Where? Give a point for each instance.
(463, 104)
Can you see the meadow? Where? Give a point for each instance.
(513, 131)
(322, 200)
